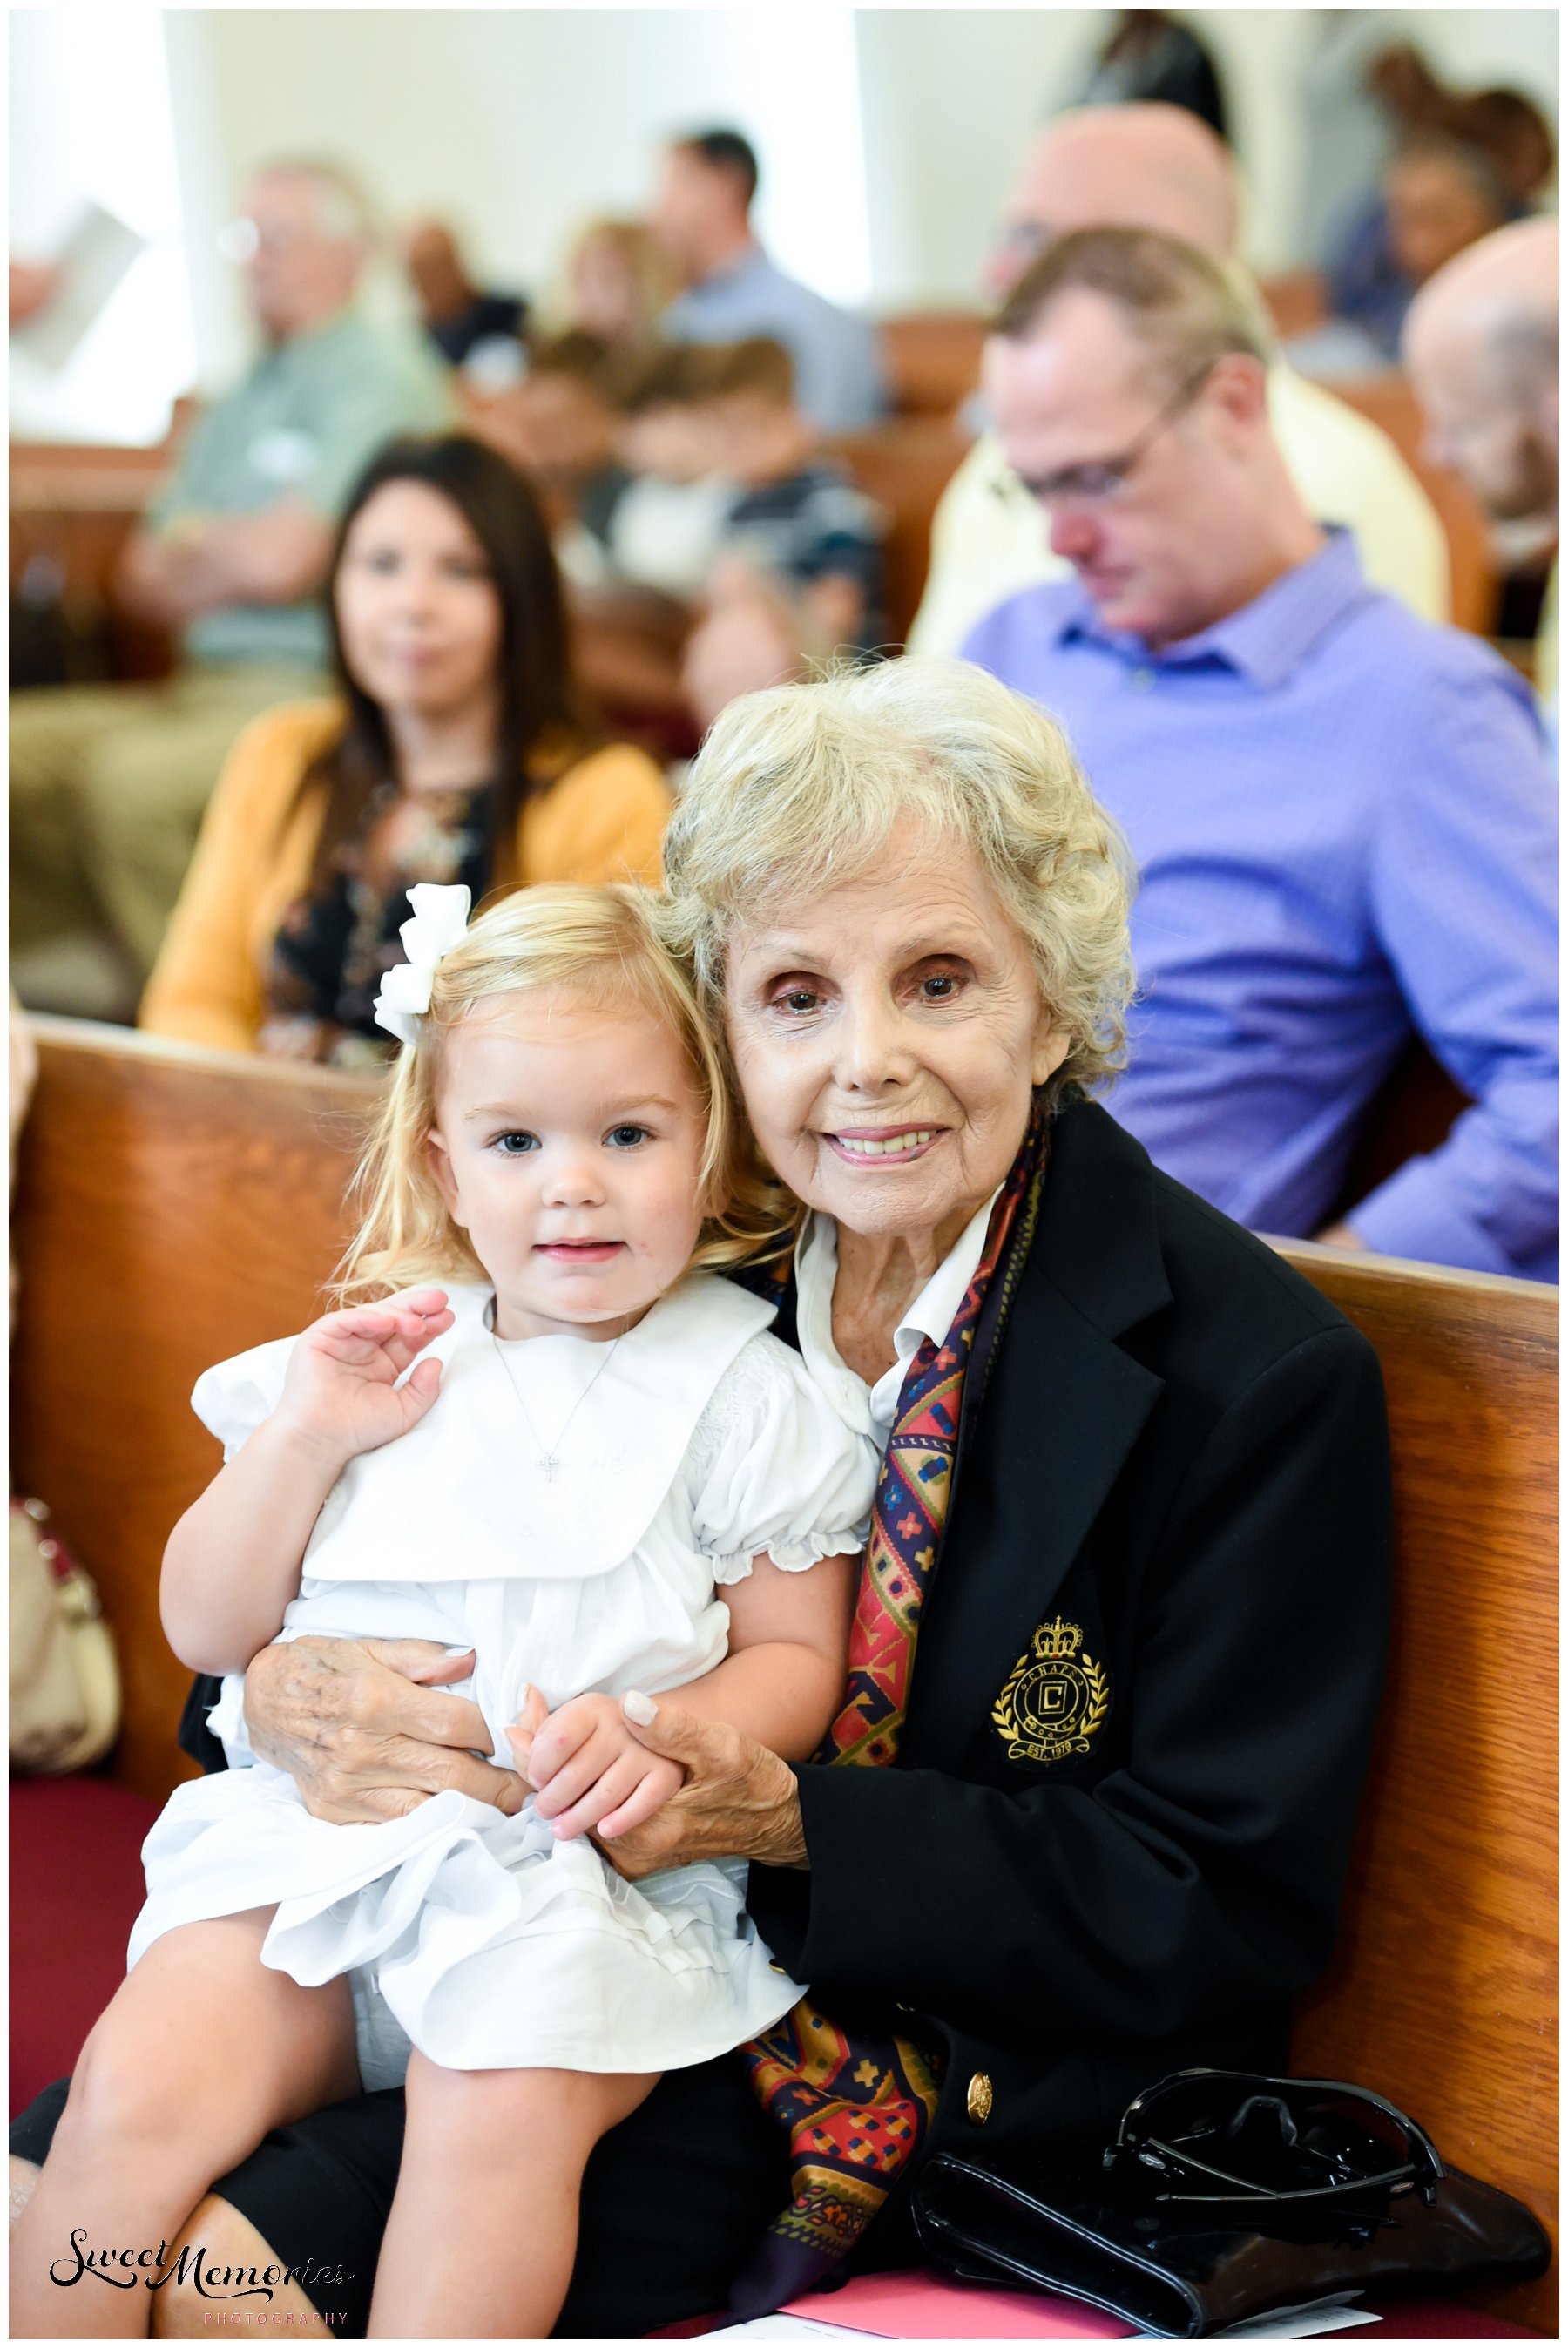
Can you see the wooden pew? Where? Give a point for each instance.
(902, 466)
(1442, 1993)
(932, 359)
(1296, 301)
(1389, 401)
(175, 1206)
(72, 510)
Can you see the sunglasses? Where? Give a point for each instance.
(1229, 2136)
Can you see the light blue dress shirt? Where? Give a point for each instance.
(838, 383)
(1346, 829)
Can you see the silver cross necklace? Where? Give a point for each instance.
(549, 1459)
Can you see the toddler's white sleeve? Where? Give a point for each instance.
(226, 1719)
(234, 1398)
(776, 1470)
(231, 1400)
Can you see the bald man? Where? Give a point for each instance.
(1159, 167)
(1481, 345)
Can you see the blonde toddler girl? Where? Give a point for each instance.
(539, 1427)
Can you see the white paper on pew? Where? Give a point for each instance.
(1302, 2323)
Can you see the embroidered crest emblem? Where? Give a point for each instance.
(1056, 1699)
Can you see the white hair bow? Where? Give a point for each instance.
(440, 917)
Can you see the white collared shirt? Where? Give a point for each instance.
(871, 1410)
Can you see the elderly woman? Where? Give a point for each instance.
(1085, 1815)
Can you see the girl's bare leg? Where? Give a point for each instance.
(483, 2231)
(202, 2050)
(181, 2309)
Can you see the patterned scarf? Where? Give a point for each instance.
(858, 2105)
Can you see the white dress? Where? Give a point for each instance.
(477, 1938)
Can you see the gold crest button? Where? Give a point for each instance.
(981, 2097)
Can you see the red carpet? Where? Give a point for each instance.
(76, 1887)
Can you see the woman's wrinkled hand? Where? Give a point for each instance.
(739, 1800)
(366, 1729)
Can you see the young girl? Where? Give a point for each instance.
(555, 1441)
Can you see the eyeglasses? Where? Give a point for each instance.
(1099, 480)
(1238, 2137)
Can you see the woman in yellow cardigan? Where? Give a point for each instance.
(454, 752)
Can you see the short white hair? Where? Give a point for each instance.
(344, 211)
(796, 791)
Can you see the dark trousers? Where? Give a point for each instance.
(672, 2202)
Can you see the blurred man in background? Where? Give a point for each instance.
(468, 327)
(109, 782)
(1158, 167)
(701, 217)
(1343, 820)
(1481, 345)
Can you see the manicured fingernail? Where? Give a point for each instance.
(639, 1707)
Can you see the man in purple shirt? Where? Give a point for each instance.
(1342, 816)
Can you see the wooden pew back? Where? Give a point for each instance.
(1389, 401)
(904, 465)
(72, 507)
(175, 1206)
(1442, 1993)
(932, 359)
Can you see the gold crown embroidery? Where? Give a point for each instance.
(1056, 1699)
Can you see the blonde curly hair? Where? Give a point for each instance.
(609, 947)
(796, 790)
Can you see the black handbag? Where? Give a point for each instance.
(1227, 2196)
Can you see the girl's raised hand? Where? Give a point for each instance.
(340, 1391)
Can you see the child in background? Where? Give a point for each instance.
(543, 1431)
(658, 522)
(558, 424)
(795, 519)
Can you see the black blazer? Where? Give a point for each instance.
(1119, 1850)
(1126, 1854)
